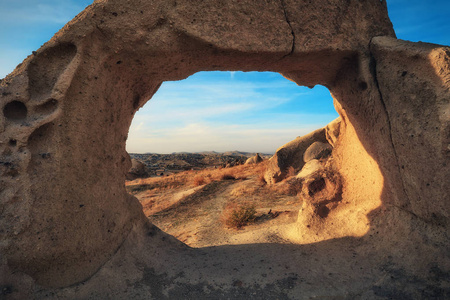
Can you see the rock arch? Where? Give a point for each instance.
(67, 109)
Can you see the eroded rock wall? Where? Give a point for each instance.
(414, 82)
(67, 108)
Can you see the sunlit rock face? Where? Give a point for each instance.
(291, 155)
(65, 112)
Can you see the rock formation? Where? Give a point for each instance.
(332, 131)
(291, 155)
(317, 150)
(137, 170)
(68, 229)
(254, 159)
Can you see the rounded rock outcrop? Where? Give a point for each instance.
(137, 170)
(317, 150)
(254, 160)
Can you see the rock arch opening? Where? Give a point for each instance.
(227, 104)
(66, 217)
(253, 112)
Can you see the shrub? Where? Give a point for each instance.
(227, 176)
(199, 180)
(241, 216)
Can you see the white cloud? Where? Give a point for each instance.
(178, 100)
(196, 115)
(195, 137)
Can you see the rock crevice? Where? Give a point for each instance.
(283, 4)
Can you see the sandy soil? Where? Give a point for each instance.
(196, 213)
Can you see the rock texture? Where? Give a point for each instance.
(414, 83)
(254, 159)
(291, 156)
(68, 229)
(317, 150)
(332, 131)
(137, 170)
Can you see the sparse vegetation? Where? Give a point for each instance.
(227, 176)
(197, 206)
(240, 216)
(199, 180)
(244, 190)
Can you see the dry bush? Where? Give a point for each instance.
(287, 187)
(199, 180)
(157, 183)
(238, 216)
(261, 167)
(227, 176)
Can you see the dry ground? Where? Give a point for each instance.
(194, 206)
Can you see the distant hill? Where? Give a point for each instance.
(247, 154)
(164, 164)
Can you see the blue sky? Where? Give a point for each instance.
(214, 110)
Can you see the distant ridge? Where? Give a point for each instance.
(226, 153)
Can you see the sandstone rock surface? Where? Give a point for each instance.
(254, 159)
(332, 131)
(69, 229)
(291, 155)
(137, 170)
(317, 150)
(414, 83)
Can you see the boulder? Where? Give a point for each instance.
(291, 155)
(310, 168)
(317, 150)
(137, 170)
(254, 159)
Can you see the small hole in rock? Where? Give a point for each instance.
(322, 211)
(316, 186)
(15, 110)
(12, 142)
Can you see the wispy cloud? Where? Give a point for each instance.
(205, 112)
(197, 137)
